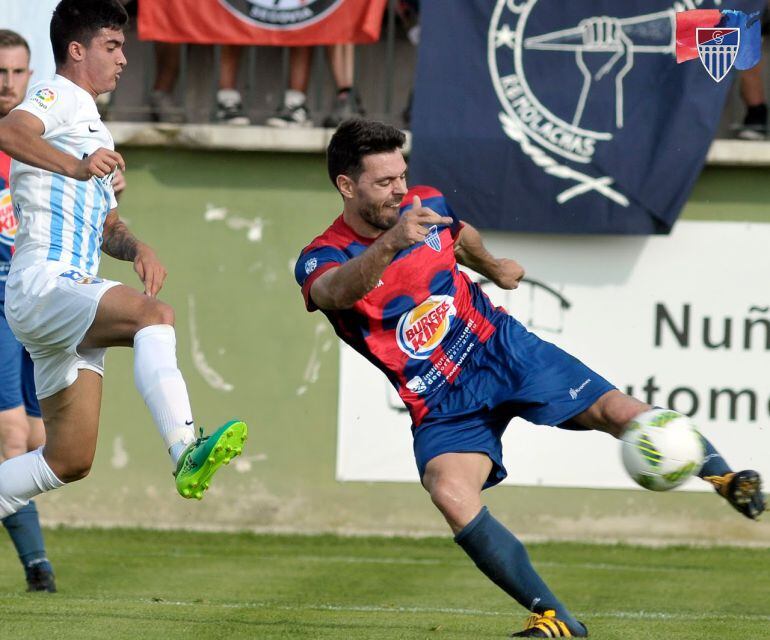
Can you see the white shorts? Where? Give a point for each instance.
(50, 307)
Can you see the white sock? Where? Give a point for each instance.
(22, 478)
(162, 387)
(293, 98)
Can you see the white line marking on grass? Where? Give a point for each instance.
(632, 615)
(461, 562)
(604, 566)
(343, 608)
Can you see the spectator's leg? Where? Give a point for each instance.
(294, 112)
(300, 59)
(341, 61)
(753, 94)
(229, 103)
(167, 61)
(346, 104)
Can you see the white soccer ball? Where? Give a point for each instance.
(661, 449)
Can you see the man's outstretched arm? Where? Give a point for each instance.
(342, 287)
(20, 138)
(471, 252)
(121, 244)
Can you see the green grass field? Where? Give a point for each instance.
(160, 584)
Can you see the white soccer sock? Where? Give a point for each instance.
(293, 98)
(162, 387)
(22, 478)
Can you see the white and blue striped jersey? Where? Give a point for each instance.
(61, 219)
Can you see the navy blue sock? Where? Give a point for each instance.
(505, 561)
(714, 464)
(24, 529)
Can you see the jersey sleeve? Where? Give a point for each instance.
(433, 199)
(54, 107)
(314, 262)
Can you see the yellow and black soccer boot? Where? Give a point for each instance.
(743, 490)
(547, 625)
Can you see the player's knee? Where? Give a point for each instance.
(452, 497)
(72, 470)
(167, 315)
(157, 312)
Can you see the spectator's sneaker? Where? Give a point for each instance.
(346, 106)
(163, 109)
(743, 490)
(754, 125)
(230, 108)
(202, 458)
(40, 577)
(290, 117)
(548, 625)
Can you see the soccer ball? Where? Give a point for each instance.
(661, 449)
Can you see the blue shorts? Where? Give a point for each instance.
(17, 382)
(514, 374)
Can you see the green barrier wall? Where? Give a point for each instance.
(229, 226)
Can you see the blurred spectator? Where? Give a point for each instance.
(31, 20)
(229, 103)
(752, 86)
(167, 62)
(294, 112)
(409, 12)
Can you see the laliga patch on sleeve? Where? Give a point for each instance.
(44, 98)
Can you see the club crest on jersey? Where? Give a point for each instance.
(717, 49)
(281, 14)
(421, 330)
(8, 224)
(310, 266)
(417, 385)
(44, 98)
(80, 278)
(433, 240)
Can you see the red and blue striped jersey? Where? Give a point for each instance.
(425, 317)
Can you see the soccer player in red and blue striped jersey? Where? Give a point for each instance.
(386, 275)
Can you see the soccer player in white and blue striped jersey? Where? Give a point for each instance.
(56, 305)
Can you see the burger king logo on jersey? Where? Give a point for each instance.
(8, 223)
(421, 330)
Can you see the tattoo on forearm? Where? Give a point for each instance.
(119, 242)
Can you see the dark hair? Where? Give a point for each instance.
(80, 21)
(10, 39)
(355, 139)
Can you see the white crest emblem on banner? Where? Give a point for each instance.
(717, 49)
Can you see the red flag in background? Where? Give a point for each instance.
(686, 24)
(261, 22)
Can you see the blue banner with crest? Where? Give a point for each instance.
(563, 117)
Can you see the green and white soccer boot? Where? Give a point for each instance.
(202, 458)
